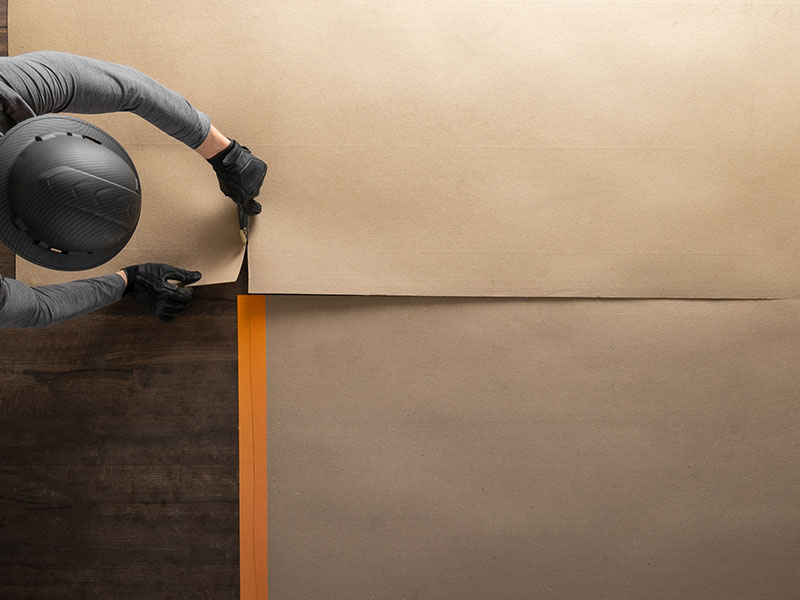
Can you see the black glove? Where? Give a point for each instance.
(149, 286)
(240, 175)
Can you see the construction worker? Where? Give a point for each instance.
(70, 195)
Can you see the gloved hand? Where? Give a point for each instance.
(150, 288)
(240, 176)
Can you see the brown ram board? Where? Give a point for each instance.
(438, 448)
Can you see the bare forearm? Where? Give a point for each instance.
(213, 144)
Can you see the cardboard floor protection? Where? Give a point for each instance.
(185, 219)
(479, 147)
(517, 449)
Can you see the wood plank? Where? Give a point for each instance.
(119, 455)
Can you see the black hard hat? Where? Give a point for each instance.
(70, 196)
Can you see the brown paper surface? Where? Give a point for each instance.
(481, 147)
(528, 148)
(185, 220)
(516, 449)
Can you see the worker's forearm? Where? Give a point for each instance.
(55, 81)
(214, 143)
(24, 306)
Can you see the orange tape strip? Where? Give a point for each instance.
(252, 448)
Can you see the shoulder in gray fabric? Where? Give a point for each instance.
(14, 108)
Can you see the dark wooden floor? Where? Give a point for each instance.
(118, 452)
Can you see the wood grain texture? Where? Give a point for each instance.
(118, 460)
(118, 453)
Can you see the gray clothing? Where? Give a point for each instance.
(47, 82)
(44, 82)
(24, 306)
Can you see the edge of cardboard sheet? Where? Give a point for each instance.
(539, 286)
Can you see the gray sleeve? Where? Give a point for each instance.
(24, 306)
(51, 82)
